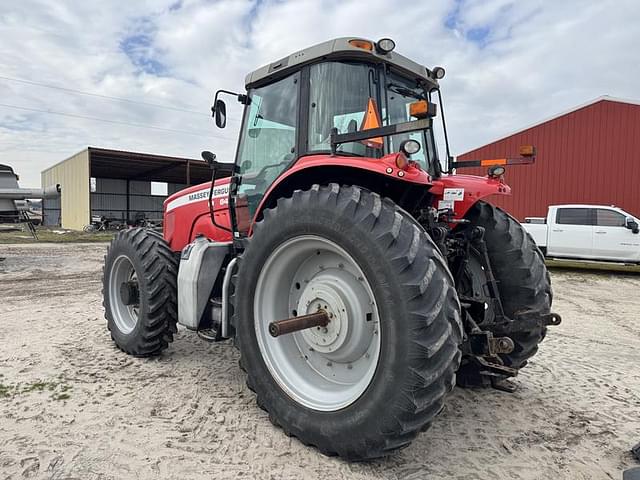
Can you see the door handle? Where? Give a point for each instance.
(601, 233)
(557, 230)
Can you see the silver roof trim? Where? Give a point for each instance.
(338, 48)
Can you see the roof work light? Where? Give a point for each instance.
(438, 72)
(385, 45)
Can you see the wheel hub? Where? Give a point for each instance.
(129, 292)
(321, 296)
(343, 296)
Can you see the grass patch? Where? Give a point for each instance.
(40, 387)
(53, 235)
(58, 390)
(6, 390)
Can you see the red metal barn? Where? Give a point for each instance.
(590, 154)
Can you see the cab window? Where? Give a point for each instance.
(268, 138)
(609, 218)
(400, 94)
(339, 95)
(574, 216)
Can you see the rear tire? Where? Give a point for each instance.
(519, 268)
(143, 323)
(418, 317)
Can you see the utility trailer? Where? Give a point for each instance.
(358, 279)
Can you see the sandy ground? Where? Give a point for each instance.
(73, 406)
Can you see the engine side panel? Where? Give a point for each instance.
(186, 214)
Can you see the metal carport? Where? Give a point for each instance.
(116, 184)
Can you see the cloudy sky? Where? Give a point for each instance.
(140, 74)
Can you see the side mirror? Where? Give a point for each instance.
(209, 157)
(220, 113)
(632, 225)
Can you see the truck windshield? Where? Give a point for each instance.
(341, 95)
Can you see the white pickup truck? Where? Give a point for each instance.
(593, 232)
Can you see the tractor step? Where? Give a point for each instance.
(504, 385)
(211, 335)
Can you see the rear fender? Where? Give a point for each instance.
(380, 175)
(461, 192)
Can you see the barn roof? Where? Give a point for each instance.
(120, 164)
(602, 98)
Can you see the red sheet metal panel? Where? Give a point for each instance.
(590, 155)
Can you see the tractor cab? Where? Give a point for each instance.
(342, 99)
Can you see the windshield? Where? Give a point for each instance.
(354, 96)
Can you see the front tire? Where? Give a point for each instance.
(379, 374)
(140, 292)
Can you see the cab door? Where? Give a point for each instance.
(571, 235)
(267, 144)
(611, 239)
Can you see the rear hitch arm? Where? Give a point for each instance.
(531, 319)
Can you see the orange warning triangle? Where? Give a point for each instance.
(372, 120)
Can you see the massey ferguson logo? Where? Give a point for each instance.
(198, 196)
(220, 192)
(204, 194)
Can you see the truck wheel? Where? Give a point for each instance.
(519, 268)
(377, 374)
(139, 292)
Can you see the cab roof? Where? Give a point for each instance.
(337, 49)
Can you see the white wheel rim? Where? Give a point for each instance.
(125, 316)
(327, 368)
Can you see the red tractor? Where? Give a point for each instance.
(357, 278)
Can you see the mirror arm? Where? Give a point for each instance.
(241, 97)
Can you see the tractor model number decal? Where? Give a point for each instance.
(454, 194)
(220, 191)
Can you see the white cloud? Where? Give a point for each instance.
(508, 64)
